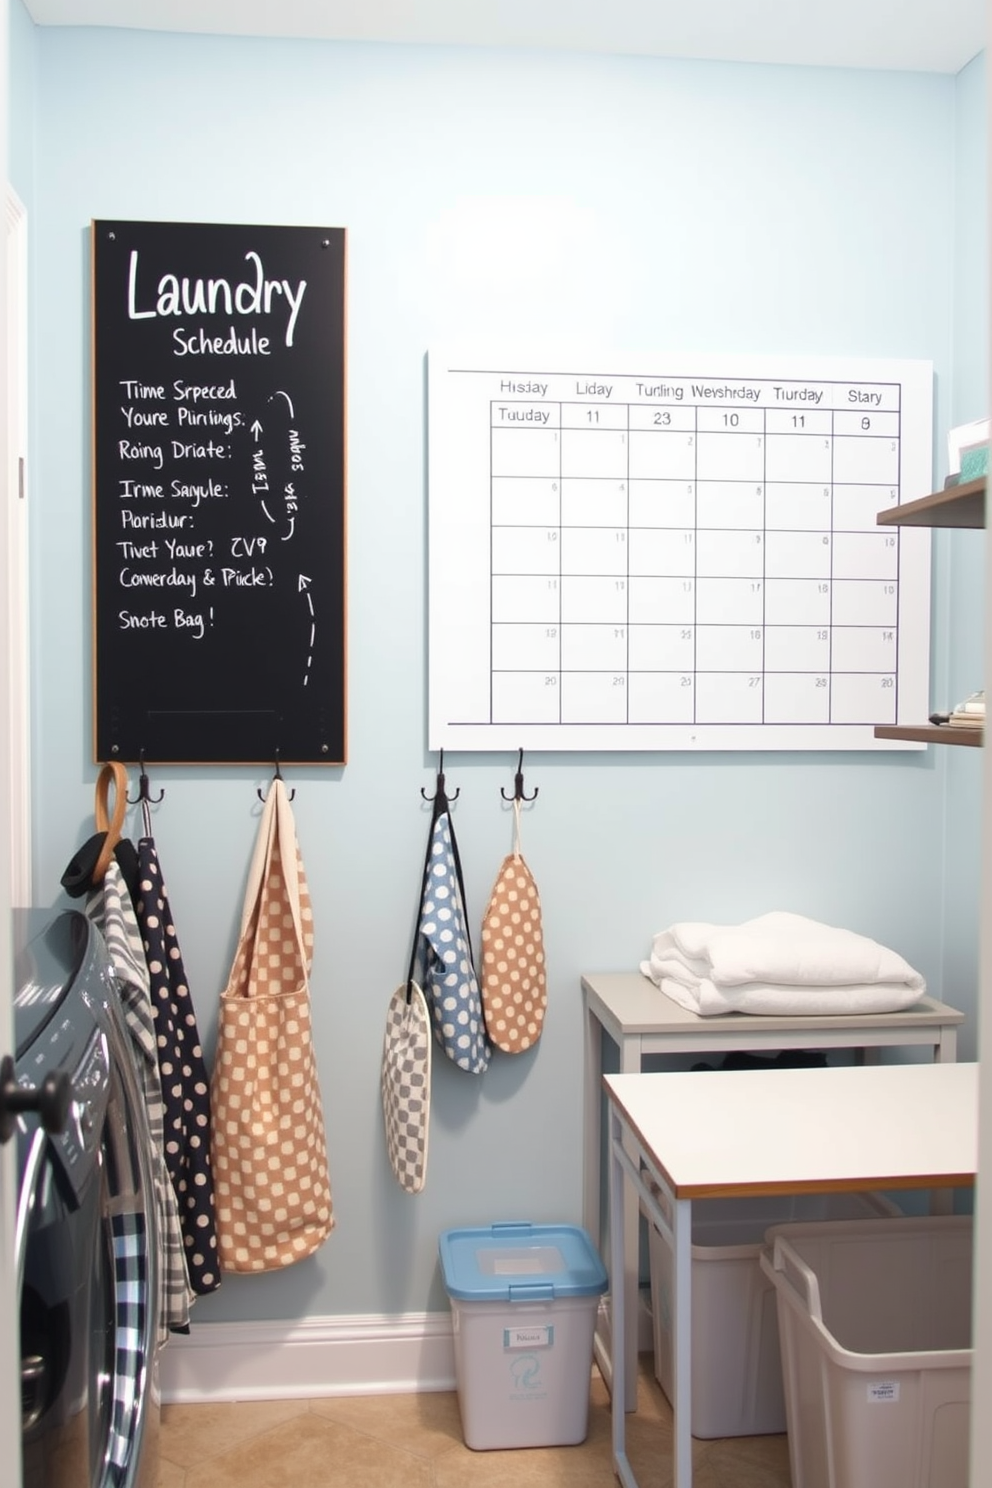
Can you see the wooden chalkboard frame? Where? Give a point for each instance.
(219, 486)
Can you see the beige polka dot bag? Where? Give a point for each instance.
(514, 982)
(268, 1150)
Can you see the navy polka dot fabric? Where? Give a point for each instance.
(185, 1087)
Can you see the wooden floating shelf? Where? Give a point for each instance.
(931, 733)
(956, 506)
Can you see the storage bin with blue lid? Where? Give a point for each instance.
(523, 1303)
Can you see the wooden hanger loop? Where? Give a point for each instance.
(112, 773)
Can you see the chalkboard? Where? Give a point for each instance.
(219, 493)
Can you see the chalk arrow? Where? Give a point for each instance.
(303, 587)
(256, 428)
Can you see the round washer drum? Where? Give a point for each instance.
(86, 1241)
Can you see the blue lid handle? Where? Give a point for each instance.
(513, 1227)
(537, 1291)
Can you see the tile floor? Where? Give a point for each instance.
(415, 1441)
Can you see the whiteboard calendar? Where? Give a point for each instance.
(671, 553)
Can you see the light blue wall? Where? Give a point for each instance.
(643, 205)
(21, 83)
(960, 556)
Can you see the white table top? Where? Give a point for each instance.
(801, 1130)
(638, 1006)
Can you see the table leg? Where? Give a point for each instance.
(946, 1052)
(681, 1342)
(592, 1130)
(618, 1413)
(631, 1059)
(592, 1176)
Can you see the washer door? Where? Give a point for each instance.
(61, 1204)
(61, 1227)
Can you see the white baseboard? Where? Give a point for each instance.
(360, 1355)
(366, 1354)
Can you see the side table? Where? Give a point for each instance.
(641, 1020)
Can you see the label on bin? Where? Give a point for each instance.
(881, 1391)
(528, 1338)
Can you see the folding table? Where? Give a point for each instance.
(642, 1021)
(738, 1133)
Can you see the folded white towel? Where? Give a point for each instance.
(765, 999)
(779, 963)
(782, 947)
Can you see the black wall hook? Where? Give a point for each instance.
(439, 791)
(144, 793)
(290, 795)
(518, 784)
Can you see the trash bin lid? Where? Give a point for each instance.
(520, 1263)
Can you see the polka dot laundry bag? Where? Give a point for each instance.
(441, 994)
(273, 1192)
(514, 980)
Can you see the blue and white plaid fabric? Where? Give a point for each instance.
(131, 1364)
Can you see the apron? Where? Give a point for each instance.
(185, 1089)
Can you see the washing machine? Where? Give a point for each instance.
(86, 1240)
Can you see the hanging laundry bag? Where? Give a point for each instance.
(441, 992)
(406, 1085)
(442, 943)
(269, 1155)
(514, 980)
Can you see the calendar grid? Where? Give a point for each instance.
(687, 558)
(763, 567)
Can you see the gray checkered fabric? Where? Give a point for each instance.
(130, 1364)
(406, 1085)
(112, 911)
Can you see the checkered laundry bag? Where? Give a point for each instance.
(269, 1156)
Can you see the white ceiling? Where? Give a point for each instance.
(915, 35)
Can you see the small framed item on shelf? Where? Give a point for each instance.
(968, 451)
(970, 713)
(961, 504)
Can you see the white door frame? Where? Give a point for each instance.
(17, 702)
(10, 1394)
